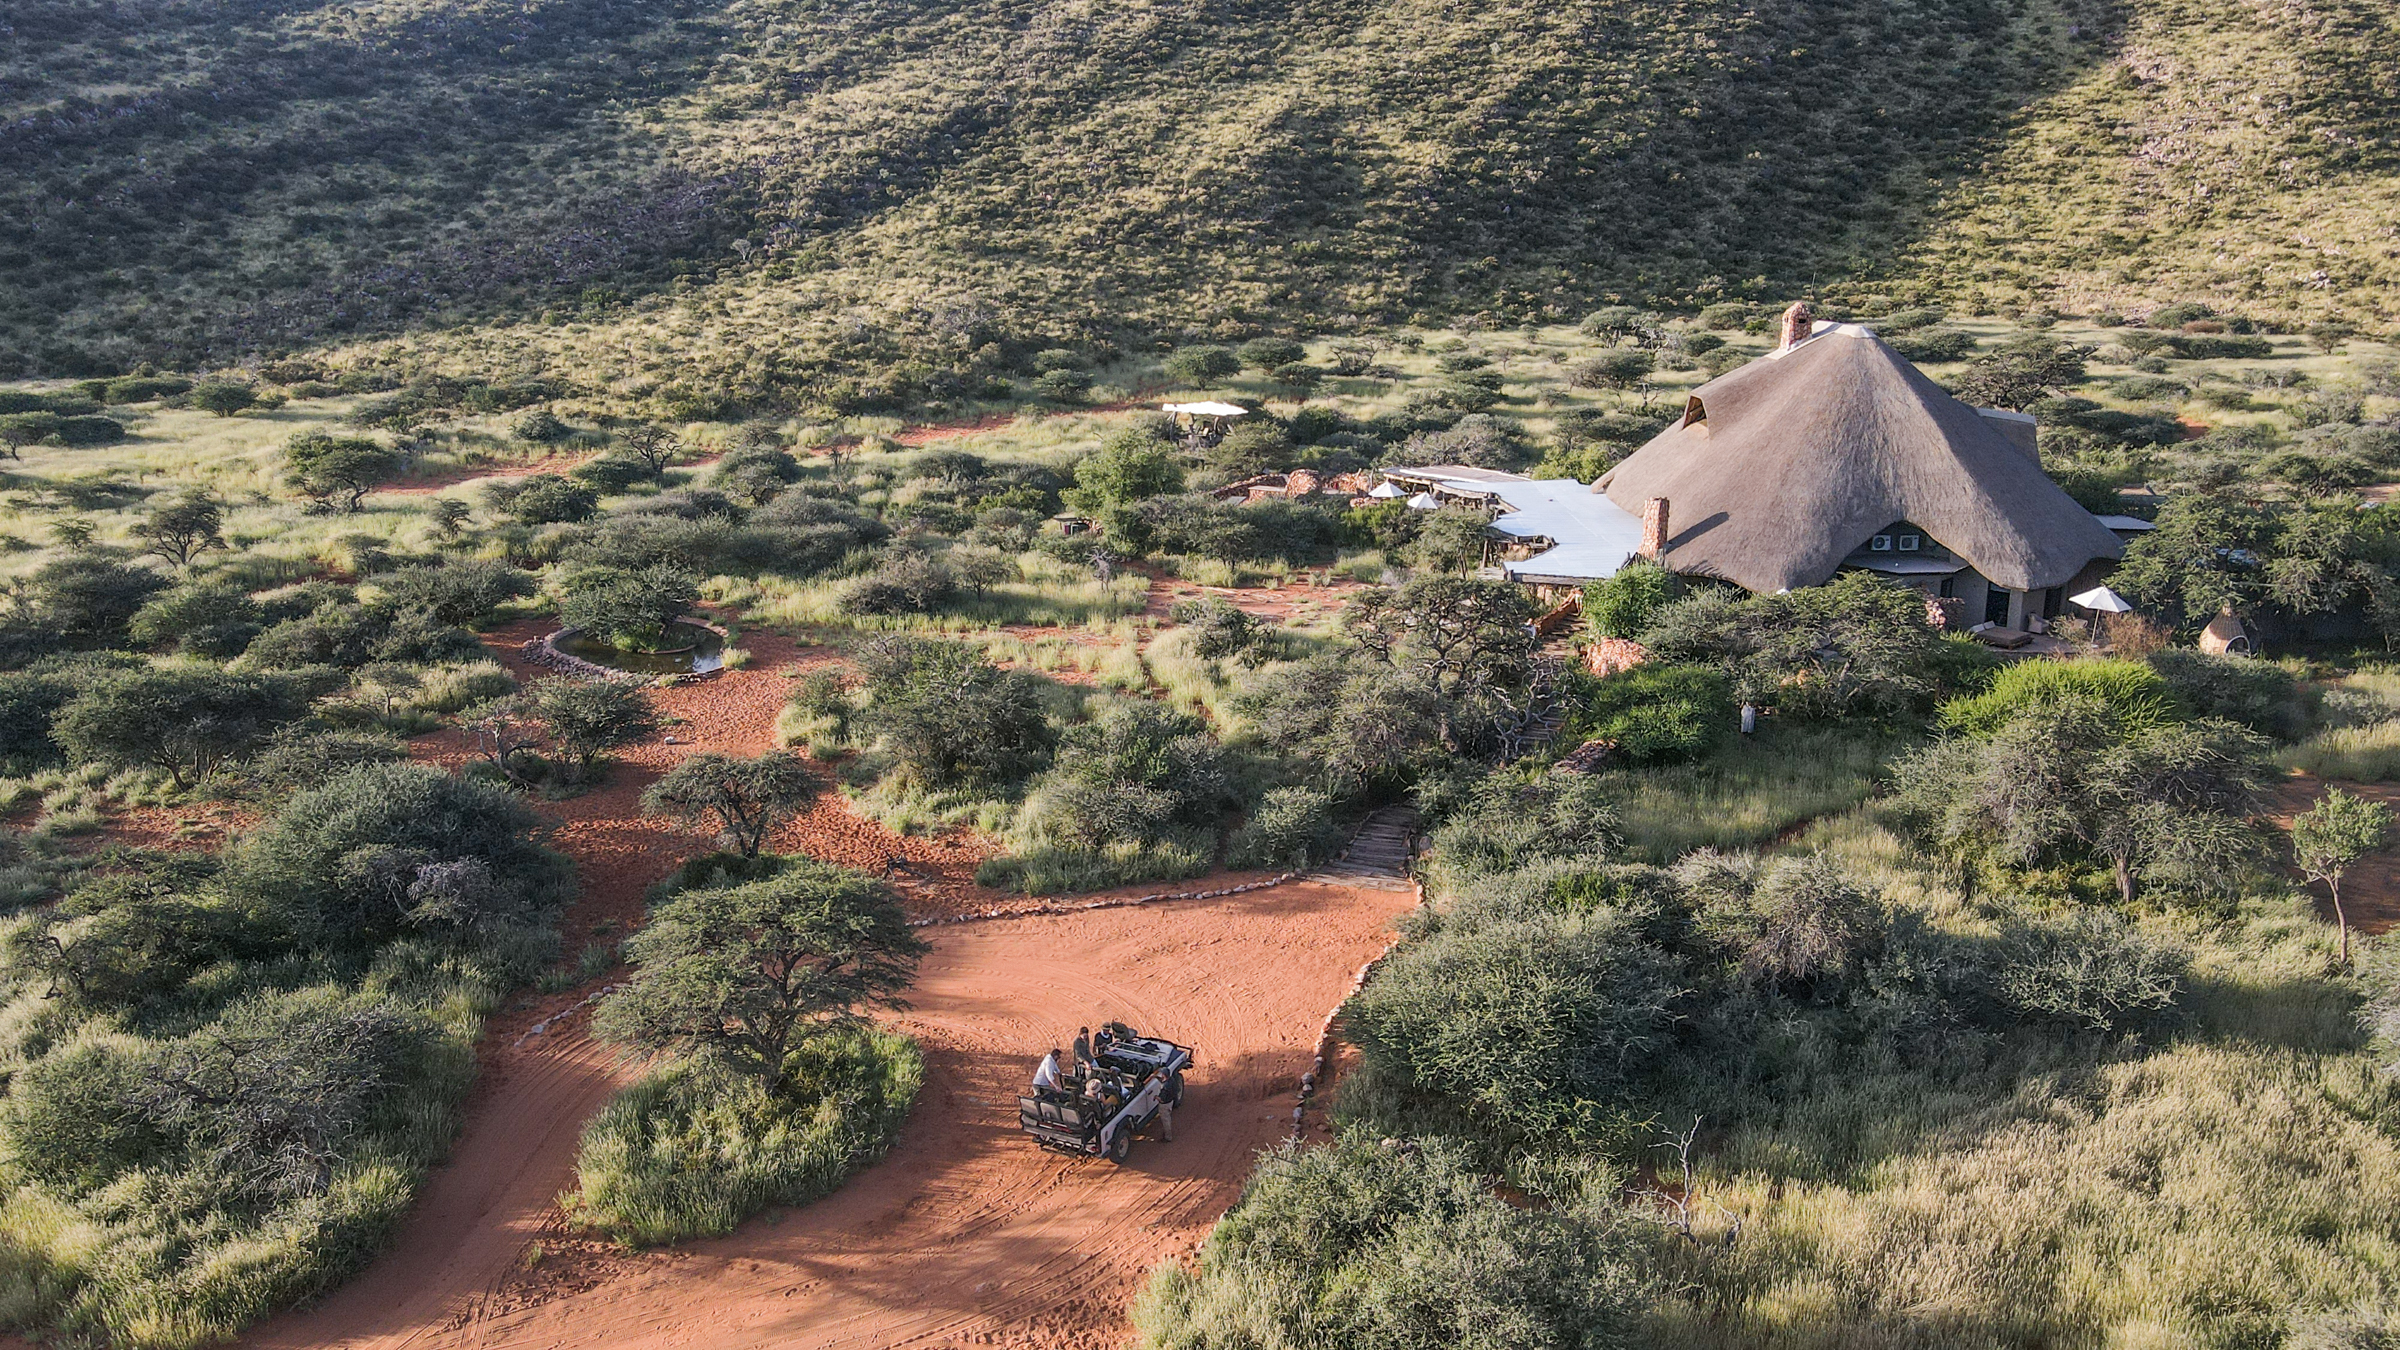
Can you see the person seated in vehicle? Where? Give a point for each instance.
(1101, 1044)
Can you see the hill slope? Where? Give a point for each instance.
(187, 181)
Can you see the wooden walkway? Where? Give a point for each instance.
(1379, 854)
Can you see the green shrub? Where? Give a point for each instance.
(2260, 696)
(1200, 367)
(387, 848)
(629, 608)
(1535, 1025)
(694, 1148)
(546, 499)
(951, 717)
(198, 618)
(1291, 827)
(2091, 972)
(1617, 368)
(1932, 345)
(1266, 353)
(2133, 692)
(187, 720)
(302, 757)
(1658, 713)
(1396, 1247)
(1625, 604)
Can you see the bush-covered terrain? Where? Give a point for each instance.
(809, 203)
(1928, 1072)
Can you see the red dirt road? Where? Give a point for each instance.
(966, 1234)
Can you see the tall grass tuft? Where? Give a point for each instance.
(695, 1148)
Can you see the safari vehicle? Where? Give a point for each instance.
(1067, 1120)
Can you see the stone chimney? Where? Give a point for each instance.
(1654, 529)
(1798, 324)
(1300, 483)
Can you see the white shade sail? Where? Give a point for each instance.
(1387, 491)
(2103, 599)
(1424, 501)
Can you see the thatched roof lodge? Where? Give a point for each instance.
(1834, 452)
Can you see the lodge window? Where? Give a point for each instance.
(1693, 411)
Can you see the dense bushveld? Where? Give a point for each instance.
(254, 588)
(1920, 1076)
(852, 204)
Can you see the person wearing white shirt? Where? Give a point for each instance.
(1047, 1075)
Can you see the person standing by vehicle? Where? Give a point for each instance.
(1083, 1051)
(1047, 1075)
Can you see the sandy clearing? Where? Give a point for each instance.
(966, 1234)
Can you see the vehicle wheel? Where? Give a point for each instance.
(1122, 1148)
(1175, 1089)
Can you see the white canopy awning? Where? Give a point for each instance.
(2103, 599)
(1387, 490)
(1424, 501)
(1206, 409)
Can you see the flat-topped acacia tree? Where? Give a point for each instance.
(745, 798)
(749, 972)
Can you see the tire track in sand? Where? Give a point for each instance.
(966, 1234)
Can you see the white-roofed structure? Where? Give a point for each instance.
(1569, 534)
(1206, 409)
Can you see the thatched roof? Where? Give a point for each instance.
(1784, 467)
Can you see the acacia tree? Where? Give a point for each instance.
(183, 527)
(185, 720)
(655, 446)
(2023, 373)
(748, 972)
(337, 472)
(2328, 837)
(745, 798)
(2074, 780)
(1466, 635)
(586, 718)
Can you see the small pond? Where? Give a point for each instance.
(691, 650)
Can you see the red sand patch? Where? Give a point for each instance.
(966, 1234)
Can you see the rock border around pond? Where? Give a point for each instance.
(545, 652)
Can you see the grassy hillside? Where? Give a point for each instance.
(832, 193)
(2248, 153)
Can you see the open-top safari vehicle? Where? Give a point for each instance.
(1097, 1114)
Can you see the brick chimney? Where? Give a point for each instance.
(1654, 529)
(1798, 324)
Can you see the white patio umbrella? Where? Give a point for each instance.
(1387, 490)
(2103, 599)
(1423, 501)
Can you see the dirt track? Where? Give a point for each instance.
(966, 1234)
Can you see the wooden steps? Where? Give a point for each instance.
(1378, 855)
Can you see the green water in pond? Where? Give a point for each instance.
(701, 650)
